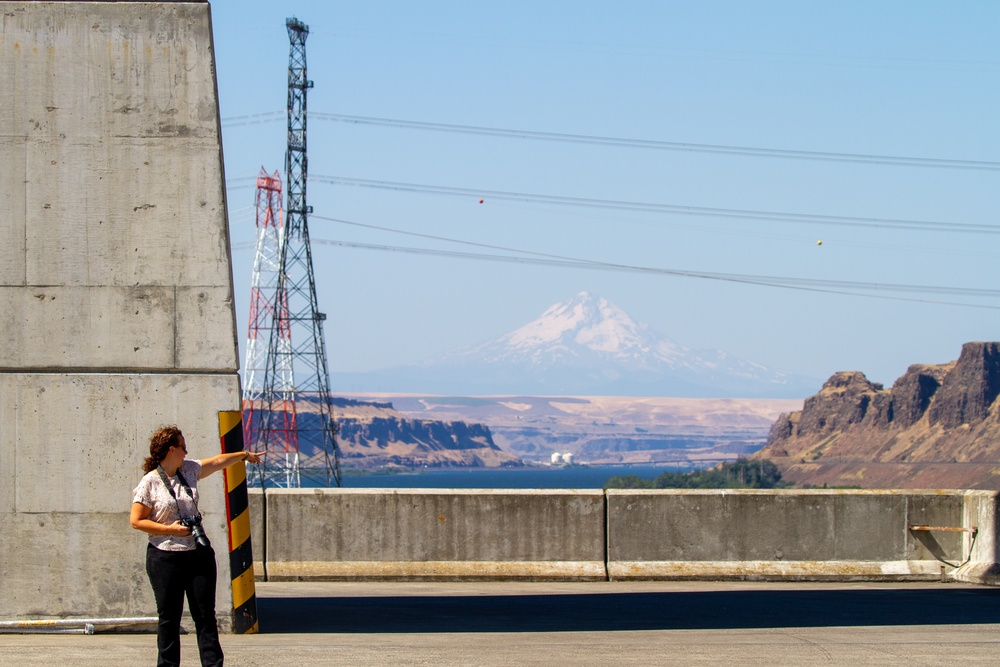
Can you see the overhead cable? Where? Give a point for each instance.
(840, 287)
(675, 209)
(771, 280)
(649, 144)
(585, 264)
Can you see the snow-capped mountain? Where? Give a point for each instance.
(586, 346)
(583, 330)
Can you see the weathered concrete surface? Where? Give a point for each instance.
(580, 623)
(783, 534)
(69, 456)
(113, 179)
(146, 328)
(73, 446)
(116, 287)
(434, 533)
(672, 534)
(983, 549)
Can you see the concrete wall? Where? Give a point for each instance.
(116, 289)
(809, 534)
(983, 548)
(417, 533)
(675, 534)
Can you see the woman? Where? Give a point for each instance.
(176, 563)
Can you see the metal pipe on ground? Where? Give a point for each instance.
(87, 626)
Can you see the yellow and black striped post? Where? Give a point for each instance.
(238, 522)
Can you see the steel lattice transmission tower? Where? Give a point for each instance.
(269, 314)
(306, 353)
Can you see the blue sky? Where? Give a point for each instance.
(898, 79)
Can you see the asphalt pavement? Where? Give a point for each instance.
(586, 623)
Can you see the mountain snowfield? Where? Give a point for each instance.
(587, 346)
(571, 331)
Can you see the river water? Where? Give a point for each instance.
(571, 477)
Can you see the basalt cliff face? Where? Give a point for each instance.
(937, 427)
(374, 435)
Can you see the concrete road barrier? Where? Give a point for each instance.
(865, 535)
(802, 534)
(434, 533)
(981, 512)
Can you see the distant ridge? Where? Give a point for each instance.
(585, 346)
(937, 427)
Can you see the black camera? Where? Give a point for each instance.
(197, 532)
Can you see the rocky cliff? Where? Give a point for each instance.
(937, 427)
(602, 430)
(375, 435)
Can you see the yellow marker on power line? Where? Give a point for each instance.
(819, 243)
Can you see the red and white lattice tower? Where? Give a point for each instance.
(269, 309)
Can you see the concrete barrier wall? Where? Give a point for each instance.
(807, 534)
(116, 290)
(417, 533)
(623, 534)
(982, 548)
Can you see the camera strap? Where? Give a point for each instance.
(180, 478)
(202, 539)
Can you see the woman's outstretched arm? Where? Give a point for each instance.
(217, 463)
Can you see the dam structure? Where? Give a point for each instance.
(116, 287)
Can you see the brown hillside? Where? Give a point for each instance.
(373, 435)
(937, 427)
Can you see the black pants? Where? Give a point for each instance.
(174, 574)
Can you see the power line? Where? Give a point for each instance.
(675, 209)
(764, 281)
(773, 280)
(621, 142)
(649, 207)
(841, 287)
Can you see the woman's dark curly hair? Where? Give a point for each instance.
(159, 445)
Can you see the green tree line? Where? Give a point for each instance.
(740, 474)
